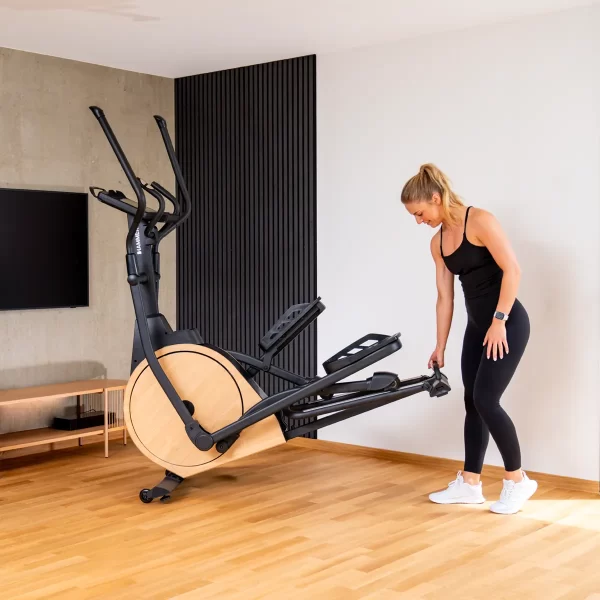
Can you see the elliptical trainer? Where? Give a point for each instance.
(189, 405)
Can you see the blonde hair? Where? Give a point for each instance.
(428, 181)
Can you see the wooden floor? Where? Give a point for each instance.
(290, 523)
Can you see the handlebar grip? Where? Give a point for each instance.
(186, 205)
(133, 180)
(95, 193)
(159, 213)
(98, 112)
(167, 194)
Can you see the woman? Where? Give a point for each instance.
(471, 244)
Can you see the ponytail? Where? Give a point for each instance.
(428, 181)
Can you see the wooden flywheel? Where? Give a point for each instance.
(220, 395)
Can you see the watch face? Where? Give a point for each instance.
(499, 315)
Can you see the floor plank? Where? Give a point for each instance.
(293, 522)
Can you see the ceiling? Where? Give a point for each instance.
(174, 38)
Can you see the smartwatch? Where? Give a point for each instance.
(500, 315)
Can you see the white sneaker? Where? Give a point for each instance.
(459, 492)
(514, 495)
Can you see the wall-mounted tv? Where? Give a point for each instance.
(44, 253)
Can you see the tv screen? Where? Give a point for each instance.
(43, 249)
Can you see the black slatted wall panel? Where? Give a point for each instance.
(246, 139)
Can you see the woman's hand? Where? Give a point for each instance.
(438, 357)
(495, 338)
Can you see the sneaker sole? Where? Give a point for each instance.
(459, 501)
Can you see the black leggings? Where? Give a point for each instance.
(485, 381)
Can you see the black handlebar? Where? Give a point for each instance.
(133, 180)
(162, 126)
(150, 232)
(180, 214)
(177, 210)
(118, 200)
(168, 195)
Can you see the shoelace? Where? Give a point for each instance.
(507, 491)
(509, 488)
(455, 481)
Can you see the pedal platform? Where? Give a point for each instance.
(290, 324)
(381, 381)
(360, 349)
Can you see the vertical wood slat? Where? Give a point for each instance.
(246, 140)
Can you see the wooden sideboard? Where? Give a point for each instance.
(105, 393)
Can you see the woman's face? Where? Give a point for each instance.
(427, 211)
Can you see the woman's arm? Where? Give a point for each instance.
(445, 300)
(488, 232)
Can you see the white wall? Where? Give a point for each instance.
(510, 112)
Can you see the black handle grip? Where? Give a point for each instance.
(98, 112)
(94, 192)
(168, 195)
(133, 180)
(162, 126)
(161, 121)
(159, 213)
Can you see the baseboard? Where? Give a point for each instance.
(559, 481)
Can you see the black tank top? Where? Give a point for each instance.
(475, 266)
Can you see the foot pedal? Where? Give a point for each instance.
(381, 381)
(290, 324)
(360, 349)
